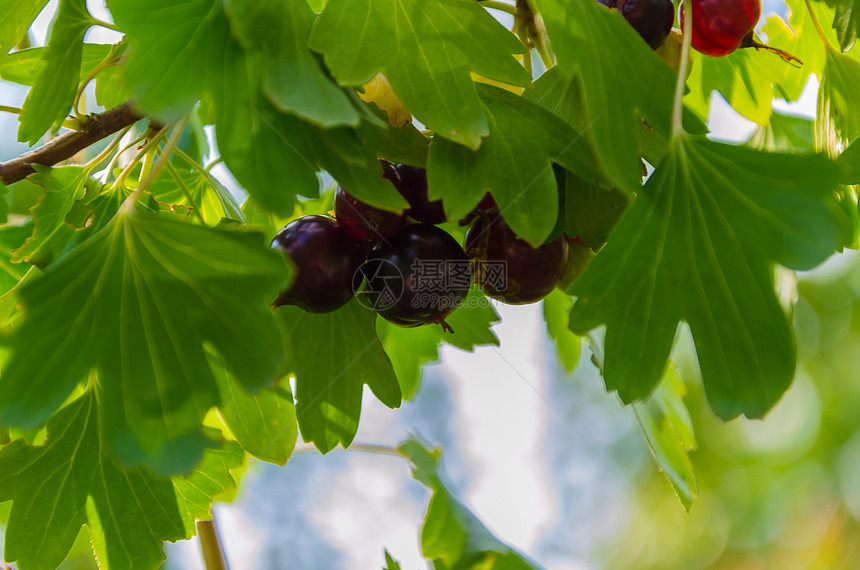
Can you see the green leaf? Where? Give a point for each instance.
(784, 133)
(849, 161)
(405, 144)
(293, 79)
(276, 156)
(215, 476)
(174, 46)
(24, 66)
(15, 19)
(59, 213)
(73, 480)
(410, 348)
(452, 536)
(390, 562)
(264, 424)
(514, 164)
(744, 78)
(699, 245)
(556, 310)
(140, 299)
(589, 211)
(11, 272)
(620, 75)
(668, 429)
(846, 21)
(197, 191)
(332, 356)
(54, 90)
(838, 98)
(801, 40)
(426, 49)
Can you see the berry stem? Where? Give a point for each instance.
(678, 106)
(819, 29)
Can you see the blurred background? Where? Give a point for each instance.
(558, 468)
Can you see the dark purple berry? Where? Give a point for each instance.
(326, 259)
(366, 223)
(651, 18)
(507, 267)
(417, 277)
(414, 189)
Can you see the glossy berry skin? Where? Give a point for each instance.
(651, 18)
(325, 257)
(414, 189)
(428, 266)
(722, 26)
(530, 273)
(366, 223)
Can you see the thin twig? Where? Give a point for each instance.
(65, 146)
(210, 544)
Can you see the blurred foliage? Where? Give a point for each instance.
(779, 493)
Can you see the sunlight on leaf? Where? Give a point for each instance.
(426, 49)
(333, 355)
(699, 245)
(139, 299)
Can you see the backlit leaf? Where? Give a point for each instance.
(699, 245)
(333, 355)
(139, 300)
(426, 49)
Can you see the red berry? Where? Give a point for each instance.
(509, 268)
(326, 260)
(722, 26)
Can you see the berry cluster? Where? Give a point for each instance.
(413, 271)
(719, 26)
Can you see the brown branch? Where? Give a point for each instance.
(68, 144)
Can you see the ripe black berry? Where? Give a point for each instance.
(326, 259)
(366, 223)
(418, 276)
(414, 189)
(651, 18)
(507, 267)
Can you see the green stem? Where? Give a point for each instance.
(159, 164)
(501, 6)
(108, 61)
(184, 187)
(103, 24)
(678, 106)
(214, 163)
(819, 29)
(109, 149)
(140, 154)
(126, 148)
(8, 109)
(210, 545)
(361, 448)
